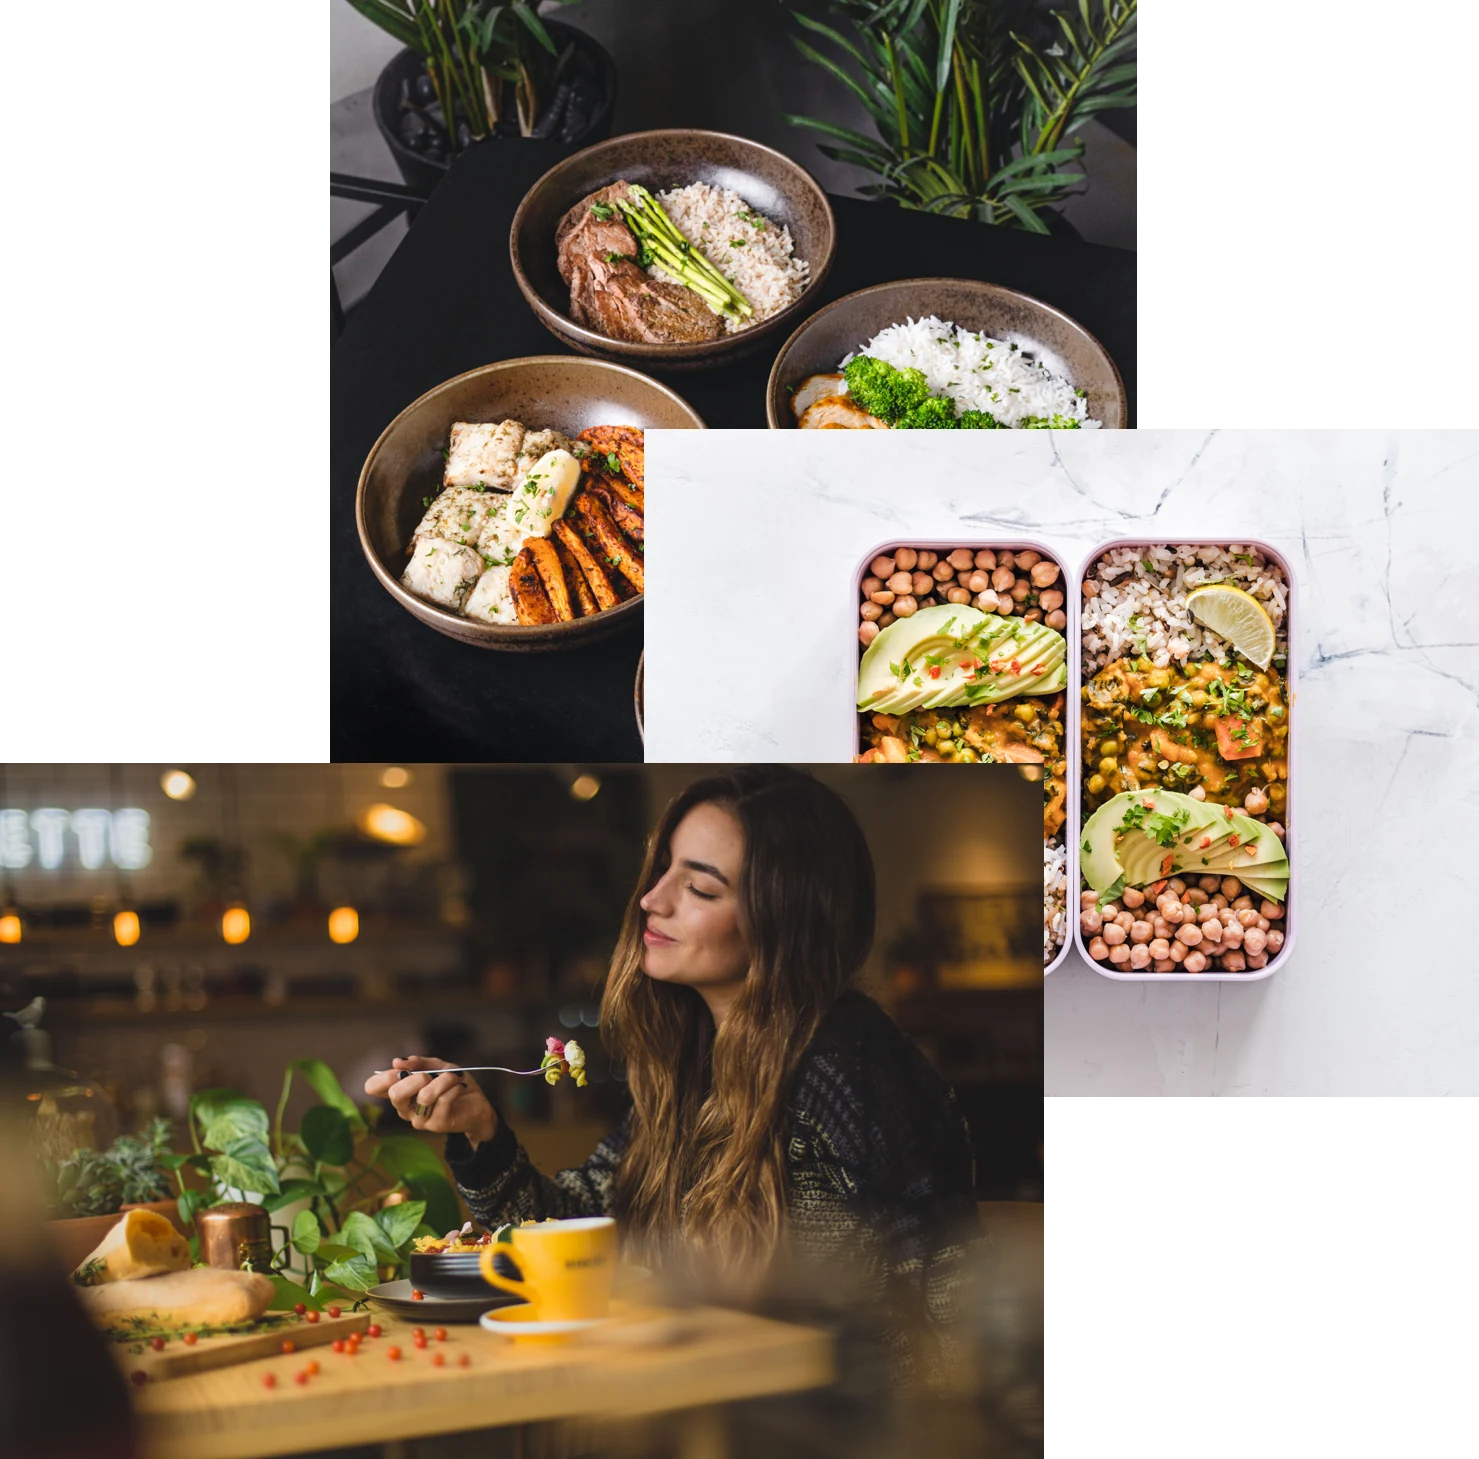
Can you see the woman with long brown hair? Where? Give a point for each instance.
(777, 1117)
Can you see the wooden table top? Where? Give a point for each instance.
(677, 1361)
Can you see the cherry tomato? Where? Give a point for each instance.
(437, 1359)
(191, 1338)
(417, 1296)
(138, 1377)
(373, 1329)
(312, 1369)
(463, 1360)
(338, 1344)
(419, 1340)
(269, 1380)
(440, 1334)
(334, 1309)
(301, 1378)
(157, 1343)
(394, 1354)
(299, 1308)
(310, 1316)
(289, 1346)
(418, 1332)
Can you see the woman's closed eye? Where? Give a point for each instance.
(707, 896)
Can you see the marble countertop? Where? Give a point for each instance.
(750, 637)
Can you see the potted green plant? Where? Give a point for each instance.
(472, 69)
(975, 104)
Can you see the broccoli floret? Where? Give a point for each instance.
(1054, 422)
(934, 414)
(882, 390)
(979, 420)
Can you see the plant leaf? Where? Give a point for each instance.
(246, 1164)
(333, 1251)
(946, 54)
(535, 26)
(400, 1222)
(357, 1273)
(321, 1079)
(326, 1135)
(286, 1293)
(425, 1176)
(306, 1235)
(360, 1232)
(292, 1190)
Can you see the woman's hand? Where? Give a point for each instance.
(445, 1104)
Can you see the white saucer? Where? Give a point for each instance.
(510, 1322)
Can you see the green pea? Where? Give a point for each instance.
(1025, 713)
(1108, 765)
(1096, 784)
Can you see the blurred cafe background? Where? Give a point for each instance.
(168, 929)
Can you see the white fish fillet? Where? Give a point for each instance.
(484, 452)
(441, 571)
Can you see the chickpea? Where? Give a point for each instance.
(905, 607)
(871, 585)
(1091, 588)
(1257, 960)
(1255, 940)
(905, 558)
(1176, 885)
(1088, 899)
(1132, 897)
(1140, 931)
(1178, 951)
(900, 582)
(1051, 599)
(1161, 927)
(1195, 963)
(883, 595)
(1174, 913)
(1211, 931)
(887, 618)
(1160, 947)
(1163, 965)
(1232, 934)
(1272, 910)
(1206, 912)
(1248, 918)
(1277, 829)
(1273, 940)
(1020, 590)
(986, 558)
(1197, 793)
(1256, 801)
(1057, 619)
(962, 558)
(942, 572)
(1220, 902)
(1119, 953)
(1027, 559)
(1194, 895)
(1004, 604)
(1032, 615)
(867, 632)
(1209, 884)
(1045, 574)
(1003, 578)
(1096, 784)
(1090, 920)
(1231, 886)
(1139, 956)
(1125, 919)
(870, 612)
(1242, 903)
(1098, 949)
(926, 560)
(882, 567)
(1262, 924)
(1190, 934)
(958, 595)
(1234, 961)
(986, 601)
(1005, 559)
(1113, 934)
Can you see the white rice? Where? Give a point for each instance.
(1140, 607)
(976, 371)
(748, 249)
(1054, 899)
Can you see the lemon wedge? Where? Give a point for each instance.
(1238, 617)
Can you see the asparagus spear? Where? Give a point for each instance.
(658, 236)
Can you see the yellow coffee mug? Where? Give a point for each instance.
(567, 1267)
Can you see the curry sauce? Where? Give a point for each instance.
(1223, 727)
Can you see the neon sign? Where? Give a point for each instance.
(94, 839)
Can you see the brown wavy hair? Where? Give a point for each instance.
(706, 1162)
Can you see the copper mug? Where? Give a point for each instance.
(235, 1235)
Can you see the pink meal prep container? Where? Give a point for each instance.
(1071, 599)
(1075, 683)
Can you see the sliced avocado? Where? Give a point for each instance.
(1155, 848)
(1032, 659)
(898, 656)
(1275, 888)
(1231, 855)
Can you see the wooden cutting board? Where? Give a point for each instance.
(179, 1357)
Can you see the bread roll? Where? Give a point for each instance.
(201, 1297)
(141, 1244)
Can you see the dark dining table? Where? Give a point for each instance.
(447, 302)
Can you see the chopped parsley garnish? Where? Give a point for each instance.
(602, 212)
(613, 463)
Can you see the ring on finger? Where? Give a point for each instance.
(423, 1110)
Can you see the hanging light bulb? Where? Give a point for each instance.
(126, 927)
(10, 925)
(343, 924)
(177, 784)
(395, 777)
(397, 827)
(236, 924)
(585, 787)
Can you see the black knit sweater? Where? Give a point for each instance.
(879, 1175)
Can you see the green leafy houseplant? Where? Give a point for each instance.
(339, 1243)
(975, 108)
(488, 61)
(99, 1182)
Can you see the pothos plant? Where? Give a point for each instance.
(343, 1241)
(975, 102)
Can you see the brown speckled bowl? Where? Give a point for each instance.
(405, 464)
(770, 183)
(820, 344)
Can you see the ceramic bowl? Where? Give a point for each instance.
(1064, 345)
(771, 183)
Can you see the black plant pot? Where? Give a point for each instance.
(422, 172)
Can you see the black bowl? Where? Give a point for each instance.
(457, 1274)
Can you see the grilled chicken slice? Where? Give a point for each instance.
(595, 575)
(531, 602)
(625, 443)
(585, 600)
(611, 544)
(813, 388)
(628, 518)
(547, 564)
(838, 413)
